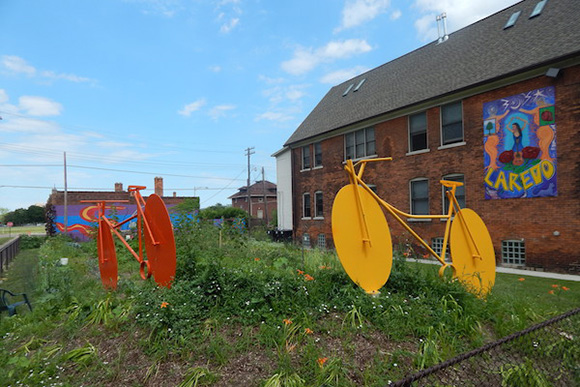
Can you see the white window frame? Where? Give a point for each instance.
(316, 209)
(410, 138)
(315, 164)
(453, 142)
(304, 201)
(411, 182)
(366, 152)
(305, 151)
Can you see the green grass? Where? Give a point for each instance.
(20, 230)
(248, 312)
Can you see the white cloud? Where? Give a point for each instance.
(192, 107)
(274, 116)
(306, 59)
(271, 81)
(340, 76)
(357, 12)
(3, 96)
(220, 111)
(226, 28)
(396, 14)
(39, 106)
(17, 65)
(215, 69)
(460, 13)
(29, 126)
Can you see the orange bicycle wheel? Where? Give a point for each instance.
(475, 271)
(107, 256)
(162, 253)
(367, 264)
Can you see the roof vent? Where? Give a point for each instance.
(348, 89)
(442, 19)
(538, 10)
(512, 20)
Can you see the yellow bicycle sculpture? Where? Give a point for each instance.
(363, 241)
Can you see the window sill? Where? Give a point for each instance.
(318, 218)
(305, 169)
(415, 220)
(455, 144)
(418, 152)
(309, 218)
(317, 167)
(362, 158)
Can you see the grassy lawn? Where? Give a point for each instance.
(252, 313)
(19, 230)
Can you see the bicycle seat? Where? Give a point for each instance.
(450, 184)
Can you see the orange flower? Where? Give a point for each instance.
(551, 292)
(287, 321)
(300, 272)
(521, 279)
(426, 255)
(565, 288)
(308, 331)
(405, 254)
(308, 277)
(555, 286)
(256, 259)
(164, 304)
(321, 361)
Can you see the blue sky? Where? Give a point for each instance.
(133, 89)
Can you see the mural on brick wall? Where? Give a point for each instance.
(520, 146)
(82, 218)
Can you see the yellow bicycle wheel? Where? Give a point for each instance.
(369, 263)
(473, 256)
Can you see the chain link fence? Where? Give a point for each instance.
(546, 354)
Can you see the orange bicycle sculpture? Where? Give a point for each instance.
(363, 241)
(154, 224)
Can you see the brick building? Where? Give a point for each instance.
(495, 105)
(262, 200)
(82, 217)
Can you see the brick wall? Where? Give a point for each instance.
(534, 219)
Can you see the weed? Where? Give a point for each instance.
(197, 375)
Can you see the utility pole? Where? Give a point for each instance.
(65, 199)
(249, 151)
(265, 197)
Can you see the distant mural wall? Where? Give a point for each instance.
(520, 146)
(83, 218)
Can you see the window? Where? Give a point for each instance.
(307, 212)
(360, 144)
(306, 157)
(417, 132)
(513, 252)
(419, 197)
(373, 187)
(451, 123)
(317, 154)
(437, 246)
(260, 214)
(321, 241)
(318, 213)
(459, 192)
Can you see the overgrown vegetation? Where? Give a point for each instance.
(248, 312)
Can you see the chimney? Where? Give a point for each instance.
(159, 186)
(443, 19)
(118, 187)
(174, 194)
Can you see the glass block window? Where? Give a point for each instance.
(306, 240)
(417, 132)
(419, 197)
(451, 123)
(513, 252)
(321, 241)
(437, 246)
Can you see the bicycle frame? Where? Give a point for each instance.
(358, 183)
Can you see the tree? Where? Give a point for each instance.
(3, 211)
(220, 211)
(21, 216)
